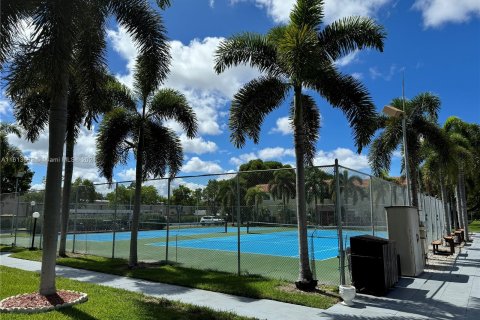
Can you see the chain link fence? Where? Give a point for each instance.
(244, 222)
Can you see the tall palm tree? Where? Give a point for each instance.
(59, 28)
(227, 194)
(442, 165)
(297, 56)
(282, 186)
(31, 107)
(421, 123)
(460, 133)
(254, 197)
(126, 129)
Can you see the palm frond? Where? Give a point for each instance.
(115, 128)
(247, 48)
(119, 95)
(171, 104)
(146, 27)
(350, 34)
(9, 128)
(425, 104)
(311, 122)
(164, 151)
(382, 148)
(11, 14)
(31, 110)
(250, 106)
(163, 4)
(350, 96)
(89, 63)
(307, 13)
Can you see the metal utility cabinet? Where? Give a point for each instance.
(403, 228)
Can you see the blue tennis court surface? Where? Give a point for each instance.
(151, 234)
(322, 245)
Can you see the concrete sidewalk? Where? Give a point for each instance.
(451, 291)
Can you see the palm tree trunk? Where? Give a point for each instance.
(305, 275)
(414, 182)
(67, 187)
(456, 223)
(448, 225)
(133, 258)
(458, 200)
(53, 185)
(463, 202)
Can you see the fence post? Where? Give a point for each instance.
(338, 209)
(371, 205)
(167, 218)
(75, 219)
(114, 224)
(238, 223)
(16, 216)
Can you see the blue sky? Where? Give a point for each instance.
(434, 42)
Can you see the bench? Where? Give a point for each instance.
(450, 241)
(435, 245)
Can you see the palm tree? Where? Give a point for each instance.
(301, 55)
(442, 166)
(227, 194)
(282, 186)
(254, 197)
(126, 129)
(31, 107)
(316, 187)
(460, 133)
(61, 28)
(421, 123)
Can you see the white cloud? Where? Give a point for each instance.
(283, 126)
(196, 164)
(277, 153)
(243, 158)
(346, 158)
(438, 12)
(197, 145)
(192, 73)
(357, 75)
(4, 107)
(279, 10)
(375, 73)
(346, 60)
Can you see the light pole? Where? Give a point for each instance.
(18, 175)
(397, 113)
(35, 216)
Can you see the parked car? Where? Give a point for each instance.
(211, 220)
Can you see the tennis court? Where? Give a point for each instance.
(258, 239)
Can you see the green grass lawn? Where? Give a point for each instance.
(245, 285)
(104, 302)
(474, 226)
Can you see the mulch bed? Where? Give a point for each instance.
(35, 302)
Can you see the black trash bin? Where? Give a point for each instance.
(374, 264)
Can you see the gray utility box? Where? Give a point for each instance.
(403, 228)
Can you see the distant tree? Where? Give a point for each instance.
(211, 195)
(86, 191)
(12, 161)
(282, 186)
(317, 187)
(252, 179)
(182, 195)
(254, 197)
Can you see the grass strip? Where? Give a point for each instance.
(246, 285)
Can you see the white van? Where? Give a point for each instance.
(210, 220)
